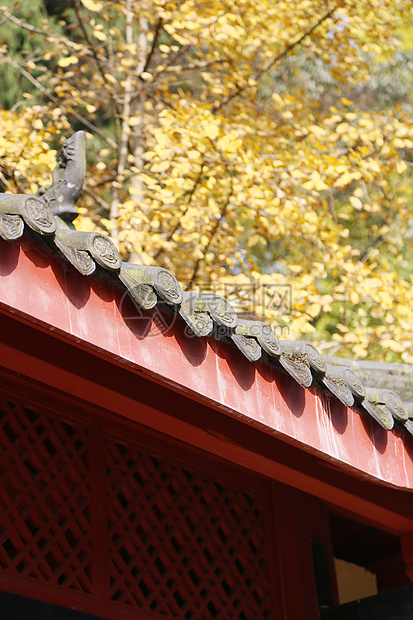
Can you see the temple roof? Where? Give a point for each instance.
(383, 392)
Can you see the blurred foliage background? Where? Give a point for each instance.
(251, 147)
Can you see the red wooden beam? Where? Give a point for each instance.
(271, 415)
(64, 372)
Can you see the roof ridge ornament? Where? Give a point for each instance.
(67, 178)
(57, 199)
(11, 226)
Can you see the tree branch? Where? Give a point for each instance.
(273, 61)
(172, 69)
(88, 39)
(5, 182)
(182, 50)
(96, 197)
(110, 179)
(177, 225)
(44, 33)
(98, 59)
(124, 134)
(54, 99)
(213, 233)
(191, 66)
(154, 43)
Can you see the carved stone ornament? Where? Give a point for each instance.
(218, 307)
(296, 364)
(68, 178)
(248, 346)
(390, 400)
(314, 358)
(11, 226)
(380, 413)
(334, 381)
(101, 248)
(80, 259)
(409, 426)
(162, 280)
(58, 198)
(351, 379)
(262, 332)
(396, 406)
(199, 321)
(354, 383)
(32, 209)
(143, 294)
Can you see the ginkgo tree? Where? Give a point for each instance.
(234, 144)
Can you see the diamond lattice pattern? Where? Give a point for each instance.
(45, 531)
(183, 543)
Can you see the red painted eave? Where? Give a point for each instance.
(40, 290)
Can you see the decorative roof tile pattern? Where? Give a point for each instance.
(48, 216)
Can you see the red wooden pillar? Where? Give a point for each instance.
(301, 521)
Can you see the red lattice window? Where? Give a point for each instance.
(45, 530)
(183, 544)
(132, 531)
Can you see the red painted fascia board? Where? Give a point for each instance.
(43, 291)
(49, 371)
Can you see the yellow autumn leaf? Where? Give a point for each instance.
(37, 124)
(193, 155)
(399, 143)
(161, 166)
(110, 78)
(315, 183)
(356, 202)
(212, 131)
(360, 350)
(91, 5)
(401, 166)
(314, 309)
(98, 34)
(67, 60)
(398, 347)
(346, 178)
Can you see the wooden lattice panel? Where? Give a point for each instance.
(45, 532)
(182, 543)
(166, 538)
